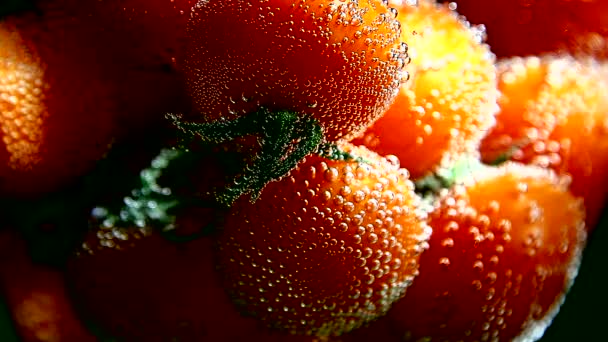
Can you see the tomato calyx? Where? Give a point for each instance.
(150, 202)
(284, 138)
(333, 152)
(506, 154)
(153, 205)
(432, 184)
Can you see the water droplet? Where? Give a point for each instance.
(447, 242)
(476, 285)
(478, 266)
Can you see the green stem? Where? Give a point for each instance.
(462, 169)
(284, 138)
(150, 203)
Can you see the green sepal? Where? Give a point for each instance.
(284, 139)
(333, 152)
(149, 204)
(461, 170)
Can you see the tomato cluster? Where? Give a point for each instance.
(311, 170)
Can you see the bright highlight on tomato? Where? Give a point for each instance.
(449, 102)
(554, 113)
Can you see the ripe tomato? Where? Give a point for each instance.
(449, 102)
(339, 62)
(57, 107)
(327, 248)
(148, 33)
(522, 28)
(554, 113)
(158, 298)
(140, 41)
(137, 286)
(505, 248)
(36, 296)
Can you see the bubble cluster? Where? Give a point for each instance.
(327, 248)
(553, 114)
(505, 249)
(448, 103)
(339, 62)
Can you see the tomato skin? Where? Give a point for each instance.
(338, 62)
(505, 248)
(554, 114)
(449, 101)
(137, 43)
(146, 34)
(145, 288)
(325, 249)
(58, 107)
(36, 296)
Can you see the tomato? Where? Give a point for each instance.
(148, 34)
(339, 62)
(327, 248)
(136, 285)
(57, 107)
(137, 45)
(449, 103)
(159, 298)
(505, 248)
(554, 113)
(39, 305)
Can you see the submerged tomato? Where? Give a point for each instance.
(554, 113)
(339, 62)
(327, 248)
(449, 102)
(505, 248)
(58, 108)
(36, 296)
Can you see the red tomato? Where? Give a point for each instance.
(327, 248)
(58, 109)
(505, 248)
(337, 62)
(137, 42)
(36, 297)
(554, 113)
(449, 101)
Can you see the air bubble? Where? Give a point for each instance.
(448, 242)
